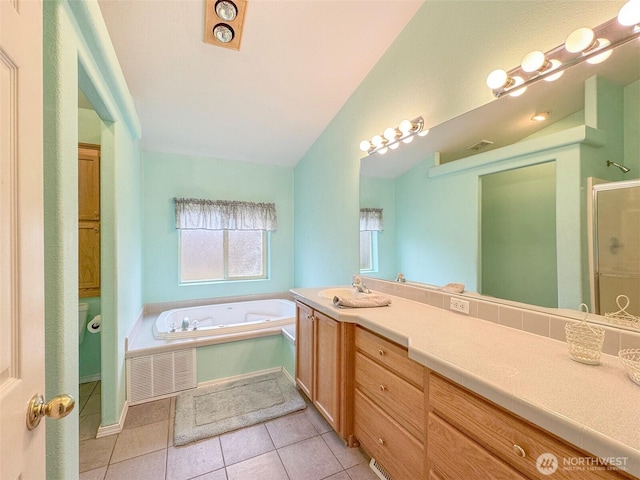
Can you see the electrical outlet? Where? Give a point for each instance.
(459, 305)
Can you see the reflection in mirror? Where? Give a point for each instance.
(518, 235)
(616, 261)
(437, 227)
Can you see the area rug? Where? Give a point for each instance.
(209, 411)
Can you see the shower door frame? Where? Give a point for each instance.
(596, 185)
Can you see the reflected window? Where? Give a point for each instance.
(368, 251)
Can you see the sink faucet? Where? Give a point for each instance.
(359, 286)
(400, 278)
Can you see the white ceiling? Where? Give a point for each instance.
(298, 63)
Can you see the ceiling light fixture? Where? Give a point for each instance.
(582, 45)
(392, 137)
(540, 116)
(223, 22)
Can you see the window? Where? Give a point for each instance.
(209, 255)
(367, 251)
(370, 224)
(223, 240)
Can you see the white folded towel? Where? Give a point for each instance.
(453, 287)
(362, 302)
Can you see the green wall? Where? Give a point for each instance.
(167, 176)
(78, 52)
(90, 350)
(518, 235)
(215, 362)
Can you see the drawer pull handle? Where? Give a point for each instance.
(381, 352)
(310, 317)
(382, 388)
(518, 450)
(381, 441)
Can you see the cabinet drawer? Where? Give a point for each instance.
(400, 399)
(390, 355)
(516, 441)
(390, 444)
(454, 455)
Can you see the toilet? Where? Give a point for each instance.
(83, 311)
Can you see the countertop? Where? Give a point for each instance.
(596, 408)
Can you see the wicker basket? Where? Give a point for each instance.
(584, 342)
(630, 358)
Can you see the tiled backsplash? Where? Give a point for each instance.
(539, 323)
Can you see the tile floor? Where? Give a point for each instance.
(299, 446)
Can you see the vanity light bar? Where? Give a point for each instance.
(392, 137)
(582, 45)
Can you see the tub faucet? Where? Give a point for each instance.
(359, 286)
(185, 323)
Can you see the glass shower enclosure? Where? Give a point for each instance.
(616, 249)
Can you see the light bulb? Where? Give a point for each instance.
(226, 10)
(393, 146)
(390, 134)
(629, 14)
(498, 79)
(223, 33)
(424, 132)
(534, 62)
(408, 139)
(405, 126)
(602, 43)
(382, 151)
(365, 145)
(378, 141)
(517, 91)
(580, 40)
(550, 77)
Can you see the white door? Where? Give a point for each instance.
(22, 452)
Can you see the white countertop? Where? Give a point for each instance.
(596, 408)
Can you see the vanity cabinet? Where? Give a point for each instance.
(389, 419)
(319, 362)
(470, 437)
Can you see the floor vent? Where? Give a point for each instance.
(157, 375)
(378, 470)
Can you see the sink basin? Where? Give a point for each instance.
(341, 292)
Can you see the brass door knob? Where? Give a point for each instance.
(57, 407)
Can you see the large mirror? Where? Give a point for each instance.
(512, 220)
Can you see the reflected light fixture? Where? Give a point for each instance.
(223, 22)
(392, 137)
(540, 116)
(582, 45)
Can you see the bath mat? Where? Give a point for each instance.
(209, 411)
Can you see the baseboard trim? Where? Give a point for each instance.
(244, 376)
(90, 378)
(106, 430)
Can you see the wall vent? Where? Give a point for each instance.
(379, 470)
(157, 375)
(480, 145)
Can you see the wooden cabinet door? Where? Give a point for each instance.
(304, 349)
(327, 368)
(88, 182)
(89, 259)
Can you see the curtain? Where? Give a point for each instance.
(371, 219)
(193, 213)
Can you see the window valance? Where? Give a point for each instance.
(193, 213)
(371, 219)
